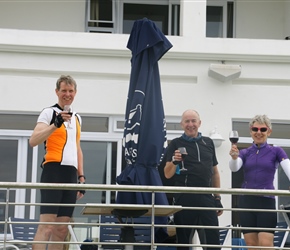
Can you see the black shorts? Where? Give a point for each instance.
(53, 172)
(257, 219)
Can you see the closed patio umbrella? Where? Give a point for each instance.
(144, 138)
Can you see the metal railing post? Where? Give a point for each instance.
(6, 217)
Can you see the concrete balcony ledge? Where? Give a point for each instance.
(114, 45)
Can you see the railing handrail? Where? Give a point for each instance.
(141, 188)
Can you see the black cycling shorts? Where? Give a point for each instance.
(257, 219)
(53, 172)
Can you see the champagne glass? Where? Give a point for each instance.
(68, 108)
(234, 136)
(183, 152)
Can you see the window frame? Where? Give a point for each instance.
(100, 29)
(113, 135)
(118, 15)
(223, 4)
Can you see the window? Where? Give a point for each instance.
(118, 16)
(171, 126)
(219, 19)
(111, 16)
(8, 165)
(280, 130)
(101, 142)
(28, 122)
(100, 16)
(158, 13)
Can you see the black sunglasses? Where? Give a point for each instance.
(256, 129)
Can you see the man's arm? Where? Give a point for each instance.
(40, 133)
(80, 162)
(170, 167)
(216, 183)
(81, 176)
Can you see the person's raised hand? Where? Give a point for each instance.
(234, 152)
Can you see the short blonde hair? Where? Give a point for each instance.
(261, 119)
(67, 79)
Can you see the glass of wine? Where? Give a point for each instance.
(234, 136)
(183, 152)
(68, 108)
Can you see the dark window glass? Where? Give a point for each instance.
(8, 166)
(230, 20)
(101, 17)
(28, 122)
(101, 10)
(18, 121)
(95, 162)
(169, 125)
(279, 130)
(173, 126)
(156, 13)
(214, 21)
(8, 163)
(94, 124)
(120, 124)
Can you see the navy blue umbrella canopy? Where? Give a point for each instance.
(144, 139)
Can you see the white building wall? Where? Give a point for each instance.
(31, 61)
(260, 19)
(43, 15)
(254, 19)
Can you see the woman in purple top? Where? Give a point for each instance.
(259, 162)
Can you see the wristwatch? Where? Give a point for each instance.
(174, 161)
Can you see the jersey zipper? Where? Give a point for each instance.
(198, 152)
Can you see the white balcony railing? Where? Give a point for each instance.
(8, 186)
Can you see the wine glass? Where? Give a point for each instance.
(68, 108)
(183, 152)
(234, 136)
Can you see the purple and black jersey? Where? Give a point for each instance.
(260, 165)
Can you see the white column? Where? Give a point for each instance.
(193, 18)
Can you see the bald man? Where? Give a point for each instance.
(201, 170)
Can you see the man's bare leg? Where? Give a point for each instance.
(59, 233)
(44, 232)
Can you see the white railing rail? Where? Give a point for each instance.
(133, 188)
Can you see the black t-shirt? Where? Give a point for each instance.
(199, 162)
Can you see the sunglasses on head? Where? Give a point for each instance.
(256, 129)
